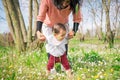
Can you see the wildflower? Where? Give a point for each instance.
(78, 78)
(83, 76)
(105, 74)
(10, 66)
(88, 70)
(39, 73)
(102, 70)
(111, 70)
(101, 62)
(2, 79)
(97, 76)
(101, 76)
(14, 55)
(100, 73)
(4, 70)
(20, 70)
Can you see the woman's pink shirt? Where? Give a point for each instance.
(50, 15)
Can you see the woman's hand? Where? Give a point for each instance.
(70, 34)
(40, 36)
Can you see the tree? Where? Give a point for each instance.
(35, 16)
(16, 23)
(96, 12)
(116, 7)
(109, 33)
(30, 23)
(80, 30)
(11, 8)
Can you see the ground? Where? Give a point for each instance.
(90, 60)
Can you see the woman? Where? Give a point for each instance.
(57, 11)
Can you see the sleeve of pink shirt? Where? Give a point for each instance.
(42, 10)
(77, 17)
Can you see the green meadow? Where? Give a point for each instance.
(89, 60)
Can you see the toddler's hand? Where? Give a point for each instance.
(40, 36)
(70, 34)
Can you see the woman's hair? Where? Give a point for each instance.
(57, 27)
(58, 3)
(73, 4)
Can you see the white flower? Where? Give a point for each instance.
(20, 70)
(101, 76)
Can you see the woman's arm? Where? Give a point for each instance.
(40, 18)
(75, 27)
(77, 18)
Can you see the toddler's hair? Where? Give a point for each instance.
(57, 27)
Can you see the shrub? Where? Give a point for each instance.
(91, 56)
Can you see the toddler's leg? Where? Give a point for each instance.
(65, 62)
(53, 70)
(50, 64)
(66, 65)
(66, 46)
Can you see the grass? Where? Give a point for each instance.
(90, 60)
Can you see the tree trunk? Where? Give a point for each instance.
(116, 23)
(110, 36)
(81, 33)
(9, 19)
(109, 33)
(35, 16)
(30, 23)
(16, 24)
(22, 24)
